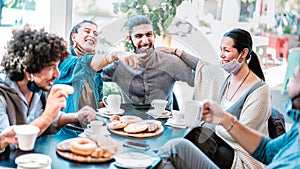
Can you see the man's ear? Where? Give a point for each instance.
(128, 38)
(27, 75)
(154, 34)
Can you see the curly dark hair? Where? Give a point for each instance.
(32, 50)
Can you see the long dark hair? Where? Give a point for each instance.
(242, 39)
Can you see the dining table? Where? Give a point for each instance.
(47, 144)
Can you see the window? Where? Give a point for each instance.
(16, 13)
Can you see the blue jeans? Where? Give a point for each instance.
(180, 153)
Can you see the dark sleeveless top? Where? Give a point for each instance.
(237, 107)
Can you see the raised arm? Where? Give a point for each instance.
(187, 58)
(56, 101)
(98, 62)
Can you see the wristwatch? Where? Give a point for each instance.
(113, 57)
(1, 151)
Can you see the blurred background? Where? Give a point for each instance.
(193, 25)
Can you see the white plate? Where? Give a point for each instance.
(104, 110)
(134, 160)
(34, 160)
(171, 122)
(165, 114)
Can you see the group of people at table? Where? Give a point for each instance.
(35, 60)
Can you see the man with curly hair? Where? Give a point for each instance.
(30, 66)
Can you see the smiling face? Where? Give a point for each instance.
(86, 36)
(227, 51)
(143, 37)
(45, 78)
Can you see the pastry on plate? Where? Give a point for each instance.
(130, 119)
(137, 127)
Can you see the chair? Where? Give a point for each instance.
(276, 124)
(293, 62)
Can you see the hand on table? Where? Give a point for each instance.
(86, 114)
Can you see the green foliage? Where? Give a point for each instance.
(112, 88)
(161, 12)
(19, 4)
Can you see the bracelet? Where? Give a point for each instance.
(107, 61)
(76, 116)
(113, 58)
(175, 51)
(3, 149)
(232, 124)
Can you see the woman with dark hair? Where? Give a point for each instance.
(83, 68)
(280, 152)
(243, 94)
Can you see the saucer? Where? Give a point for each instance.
(33, 160)
(171, 122)
(104, 110)
(134, 160)
(88, 132)
(165, 114)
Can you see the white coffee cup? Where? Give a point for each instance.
(178, 117)
(26, 135)
(192, 112)
(159, 105)
(113, 102)
(95, 126)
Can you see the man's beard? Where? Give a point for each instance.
(148, 51)
(137, 50)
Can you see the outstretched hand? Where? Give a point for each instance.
(212, 112)
(130, 59)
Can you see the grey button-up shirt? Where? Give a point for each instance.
(155, 80)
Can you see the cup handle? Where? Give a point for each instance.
(104, 100)
(152, 104)
(89, 126)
